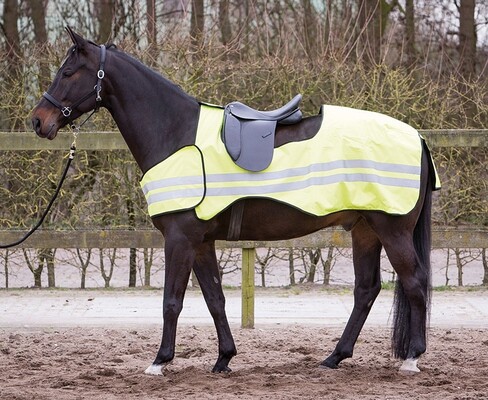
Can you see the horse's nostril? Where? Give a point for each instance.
(36, 124)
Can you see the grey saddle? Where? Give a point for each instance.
(249, 134)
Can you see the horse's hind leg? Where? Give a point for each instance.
(207, 272)
(411, 301)
(366, 258)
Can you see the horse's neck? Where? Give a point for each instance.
(155, 117)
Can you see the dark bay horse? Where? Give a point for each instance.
(156, 119)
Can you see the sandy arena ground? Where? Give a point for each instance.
(92, 352)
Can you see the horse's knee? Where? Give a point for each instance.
(172, 308)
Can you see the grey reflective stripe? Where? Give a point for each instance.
(320, 167)
(168, 182)
(174, 194)
(314, 181)
(178, 190)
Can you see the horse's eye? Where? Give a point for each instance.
(68, 72)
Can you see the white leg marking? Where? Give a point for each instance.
(154, 370)
(409, 366)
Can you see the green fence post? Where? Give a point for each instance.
(247, 317)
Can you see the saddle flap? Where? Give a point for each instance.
(257, 145)
(231, 136)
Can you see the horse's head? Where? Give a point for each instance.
(75, 90)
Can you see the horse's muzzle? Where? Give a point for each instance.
(37, 126)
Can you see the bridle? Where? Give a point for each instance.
(67, 110)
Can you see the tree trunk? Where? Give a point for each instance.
(224, 22)
(151, 18)
(132, 267)
(467, 37)
(309, 29)
(327, 265)
(263, 275)
(314, 256)
(38, 14)
(84, 266)
(148, 262)
(36, 272)
(369, 19)
(151, 21)
(410, 33)
(447, 266)
(11, 31)
(107, 276)
(467, 55)
(459, 266)
(372, 20)
(105, 14)
(132, 252)
(291, 267)
(197, 27)
(14, 61)
(327, 24)
(484, 260)
(5, 257)
(48, 256)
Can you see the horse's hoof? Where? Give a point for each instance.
(409, 366)
(327, 364)
(154, 370)
(219, 370)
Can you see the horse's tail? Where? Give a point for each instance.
(422, 238)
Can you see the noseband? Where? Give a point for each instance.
(67, 110)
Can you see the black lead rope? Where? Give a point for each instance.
(43, 216)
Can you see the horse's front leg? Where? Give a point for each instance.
(207, 271)
(179, 256)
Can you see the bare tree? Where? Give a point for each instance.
(36, 271)
(263, 262)
(84, 263)
(107, 274)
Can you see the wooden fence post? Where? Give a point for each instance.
(247, 316)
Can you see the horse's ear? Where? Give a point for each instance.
(77, 39)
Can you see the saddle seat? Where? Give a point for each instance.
(248, 134)
(286, 115)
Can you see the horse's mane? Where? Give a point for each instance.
(143, 67)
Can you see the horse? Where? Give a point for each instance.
(157, 118)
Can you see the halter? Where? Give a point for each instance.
(67, 110)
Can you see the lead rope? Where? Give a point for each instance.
(71, 156)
